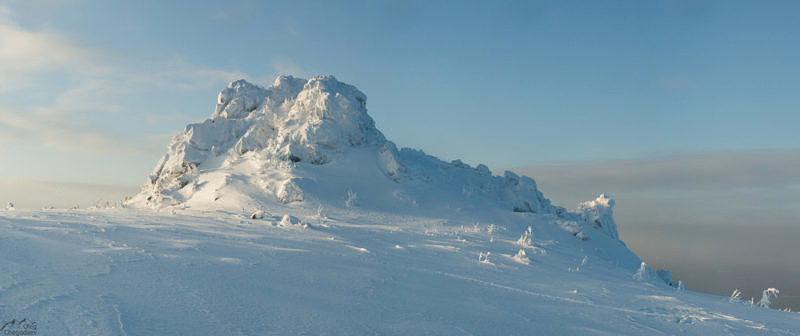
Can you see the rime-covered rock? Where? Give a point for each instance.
(599, 212)
(311, 140)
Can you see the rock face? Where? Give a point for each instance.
(300, 141)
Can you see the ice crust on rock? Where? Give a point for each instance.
(302, 140)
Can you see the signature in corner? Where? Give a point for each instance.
(13, 322)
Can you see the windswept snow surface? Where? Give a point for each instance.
(288, 212)
(341, 271)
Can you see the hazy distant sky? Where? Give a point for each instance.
(681, 109)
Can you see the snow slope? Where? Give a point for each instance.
(179, 272)
(288, 212)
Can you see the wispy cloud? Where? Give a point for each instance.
(53, 129)
(23, 53)
(286, 66)
(66, 119)
(180, 75)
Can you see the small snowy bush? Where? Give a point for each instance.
(767, 296)
(10, 206)
(680, 286)
(736, 296)
(320, 213)
(483, 257)
(352, 199)
(521, 257)
(525, 239)
(644, 273)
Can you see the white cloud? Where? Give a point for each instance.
(53, 129)
(24, 53)
(179, 75)
(6, 14)
(98, 80)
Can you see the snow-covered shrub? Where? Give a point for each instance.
(680, 286)
(577, 268)
(525, 239)
(521, 257)
(483, 257)
(10, 206)
(767, 296)
(644, 273)
(320, 214)
(352, 199)
(736, 296)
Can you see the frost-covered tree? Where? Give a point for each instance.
(644, 273)
(736, 296)
(680, 286)
(352, 199)
(525, 239)
(767, 296)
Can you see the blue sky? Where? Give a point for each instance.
(96, 88)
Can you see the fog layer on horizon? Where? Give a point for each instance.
(718, 221)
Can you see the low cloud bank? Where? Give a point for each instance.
(717, 220)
